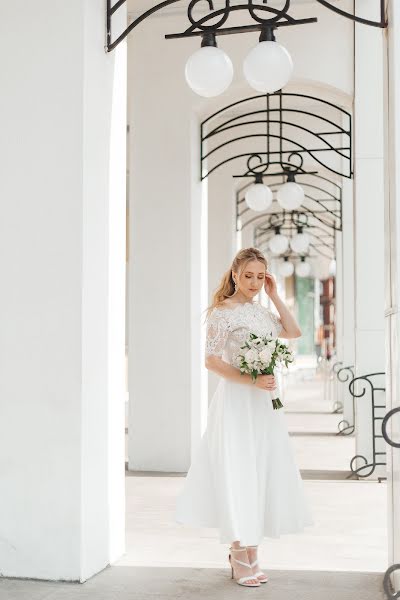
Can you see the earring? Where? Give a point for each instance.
(235, 286)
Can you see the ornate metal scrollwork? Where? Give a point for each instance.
(343, 375)
(387, 585)
(280, 17)
(200, 23)
(381, 23)
(370, 466)
(337, 406)
(280, 14)
(322, 209)
(385, 421)
(270, 125)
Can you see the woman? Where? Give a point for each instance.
(243, 479)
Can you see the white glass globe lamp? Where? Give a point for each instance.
(290, 195)
(286, 268)
(268, 66)
(259, 196)
(303, 268)
(279, 243)
(300, 241)
(209, 70)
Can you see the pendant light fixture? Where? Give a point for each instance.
(286, 268)
(279, 243)
(209, 70)
(259, 196)
(268, 66)
(300, 241)
(290, 195)
(303, 268)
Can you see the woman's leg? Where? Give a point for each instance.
(239, 552)
(253, 559)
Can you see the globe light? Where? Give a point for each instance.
(290, 195)
(299, 243)
(303, 268)
(268, 66)
(209, 71)
(321, 268)
(259, 196)
(332, 267)
(279, 243)
(286, 268)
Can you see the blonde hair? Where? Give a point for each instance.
(226, 287)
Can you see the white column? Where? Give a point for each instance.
(62, 263)
(369, 227)
(221, 238)
(392, 276)
(345, 298)
(161, 270)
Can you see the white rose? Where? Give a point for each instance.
(265, 356)
(271, 343)
(238, 361)
(250, 356)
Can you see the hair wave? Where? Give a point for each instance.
(226, 288)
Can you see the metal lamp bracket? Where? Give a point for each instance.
(262, 15)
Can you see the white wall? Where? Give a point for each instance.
(61, 370)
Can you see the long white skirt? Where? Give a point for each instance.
(243, 479)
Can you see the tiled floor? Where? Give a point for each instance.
(344, 555)
(350, 516)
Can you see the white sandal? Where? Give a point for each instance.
(259, 573)
(242, 580)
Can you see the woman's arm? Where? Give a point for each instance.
(290, 326)
(224, 369)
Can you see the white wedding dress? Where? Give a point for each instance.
(243, 479)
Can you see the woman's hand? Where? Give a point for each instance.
(265, 382)
(270, 285)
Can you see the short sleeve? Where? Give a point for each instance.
(276, 322)
(218, 327)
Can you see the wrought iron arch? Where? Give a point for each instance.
(214, 21)
(322, 241)
(323, 219)
(320, 191)
(269, 124)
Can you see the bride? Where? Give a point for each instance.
(243, 479)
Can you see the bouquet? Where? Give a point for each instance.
(259, 356)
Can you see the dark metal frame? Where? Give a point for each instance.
(286, 222)
(337, 405)
(343, 375)
(385, 421)
(272, 18)
(290, 152)
(373, 389)
(387, 585)
(326, 218)
(381, 23)
(320, 214)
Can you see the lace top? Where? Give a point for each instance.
(228, 328)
